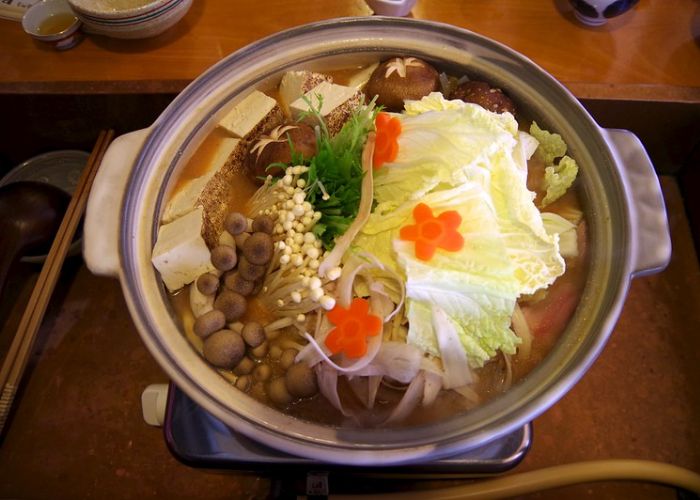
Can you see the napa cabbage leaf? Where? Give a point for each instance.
(459, 156)
(558, 179)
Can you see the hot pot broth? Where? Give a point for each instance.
(544, 313)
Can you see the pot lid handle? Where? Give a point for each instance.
(651, 239)
(104, 206)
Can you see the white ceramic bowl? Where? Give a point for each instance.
(620, 192)
(63, 35)
(101, 17)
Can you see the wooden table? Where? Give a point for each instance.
(77, 431)
(650, 52)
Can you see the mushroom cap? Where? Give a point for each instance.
(300, 380)
(240, 239)
(208, 323)
(250, 271)
(278, 393)
(224, 349)
(258, 249)
(263, 224)
(262, 372)
(481, 93)
(208, 283)
(232, 304)
(260, 351)
(398, 79)
(236, 283)
(244, 382)
(269, 149)
(244, 367)
(287, 357)
(253, 334)
(236, 223)
(224, 257)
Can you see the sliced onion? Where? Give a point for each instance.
(366, 197)
(396, 360)
(347, 278)
(360, 388)
(433, 384)
(410, 400)
(522, 330)
(452, 353)
(327, 379)
(468, 393)
(373, 346)
(379, 288)
(508, 379)
(310, 353)
(373, 383)
(393, 275)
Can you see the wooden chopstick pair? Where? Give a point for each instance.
(17, 356)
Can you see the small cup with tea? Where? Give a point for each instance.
(53, 21)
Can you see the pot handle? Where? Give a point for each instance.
(651, 238)
(103, 213)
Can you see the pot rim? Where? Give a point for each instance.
(562, 368)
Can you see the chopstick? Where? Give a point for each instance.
(17, 356)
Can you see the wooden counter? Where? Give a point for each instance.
(651, 52)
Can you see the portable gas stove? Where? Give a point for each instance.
(199, 439)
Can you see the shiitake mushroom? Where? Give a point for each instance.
(481, 93)
(401, 78)
(275, 148)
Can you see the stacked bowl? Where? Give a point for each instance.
(129, 18)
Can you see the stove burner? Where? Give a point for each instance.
(198, 439)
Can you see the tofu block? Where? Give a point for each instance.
(360, 79)
(254, 115)
(337, 104)
(295, 84)
(180, 254)
(190, 195)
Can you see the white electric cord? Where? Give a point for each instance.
(555, 477)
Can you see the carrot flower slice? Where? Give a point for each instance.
(352, 327)
(386, 146)
(430, 233)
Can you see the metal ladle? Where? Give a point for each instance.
(30, 215)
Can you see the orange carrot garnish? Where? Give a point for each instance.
(431, 233)
(386, 146)
(352, 327)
